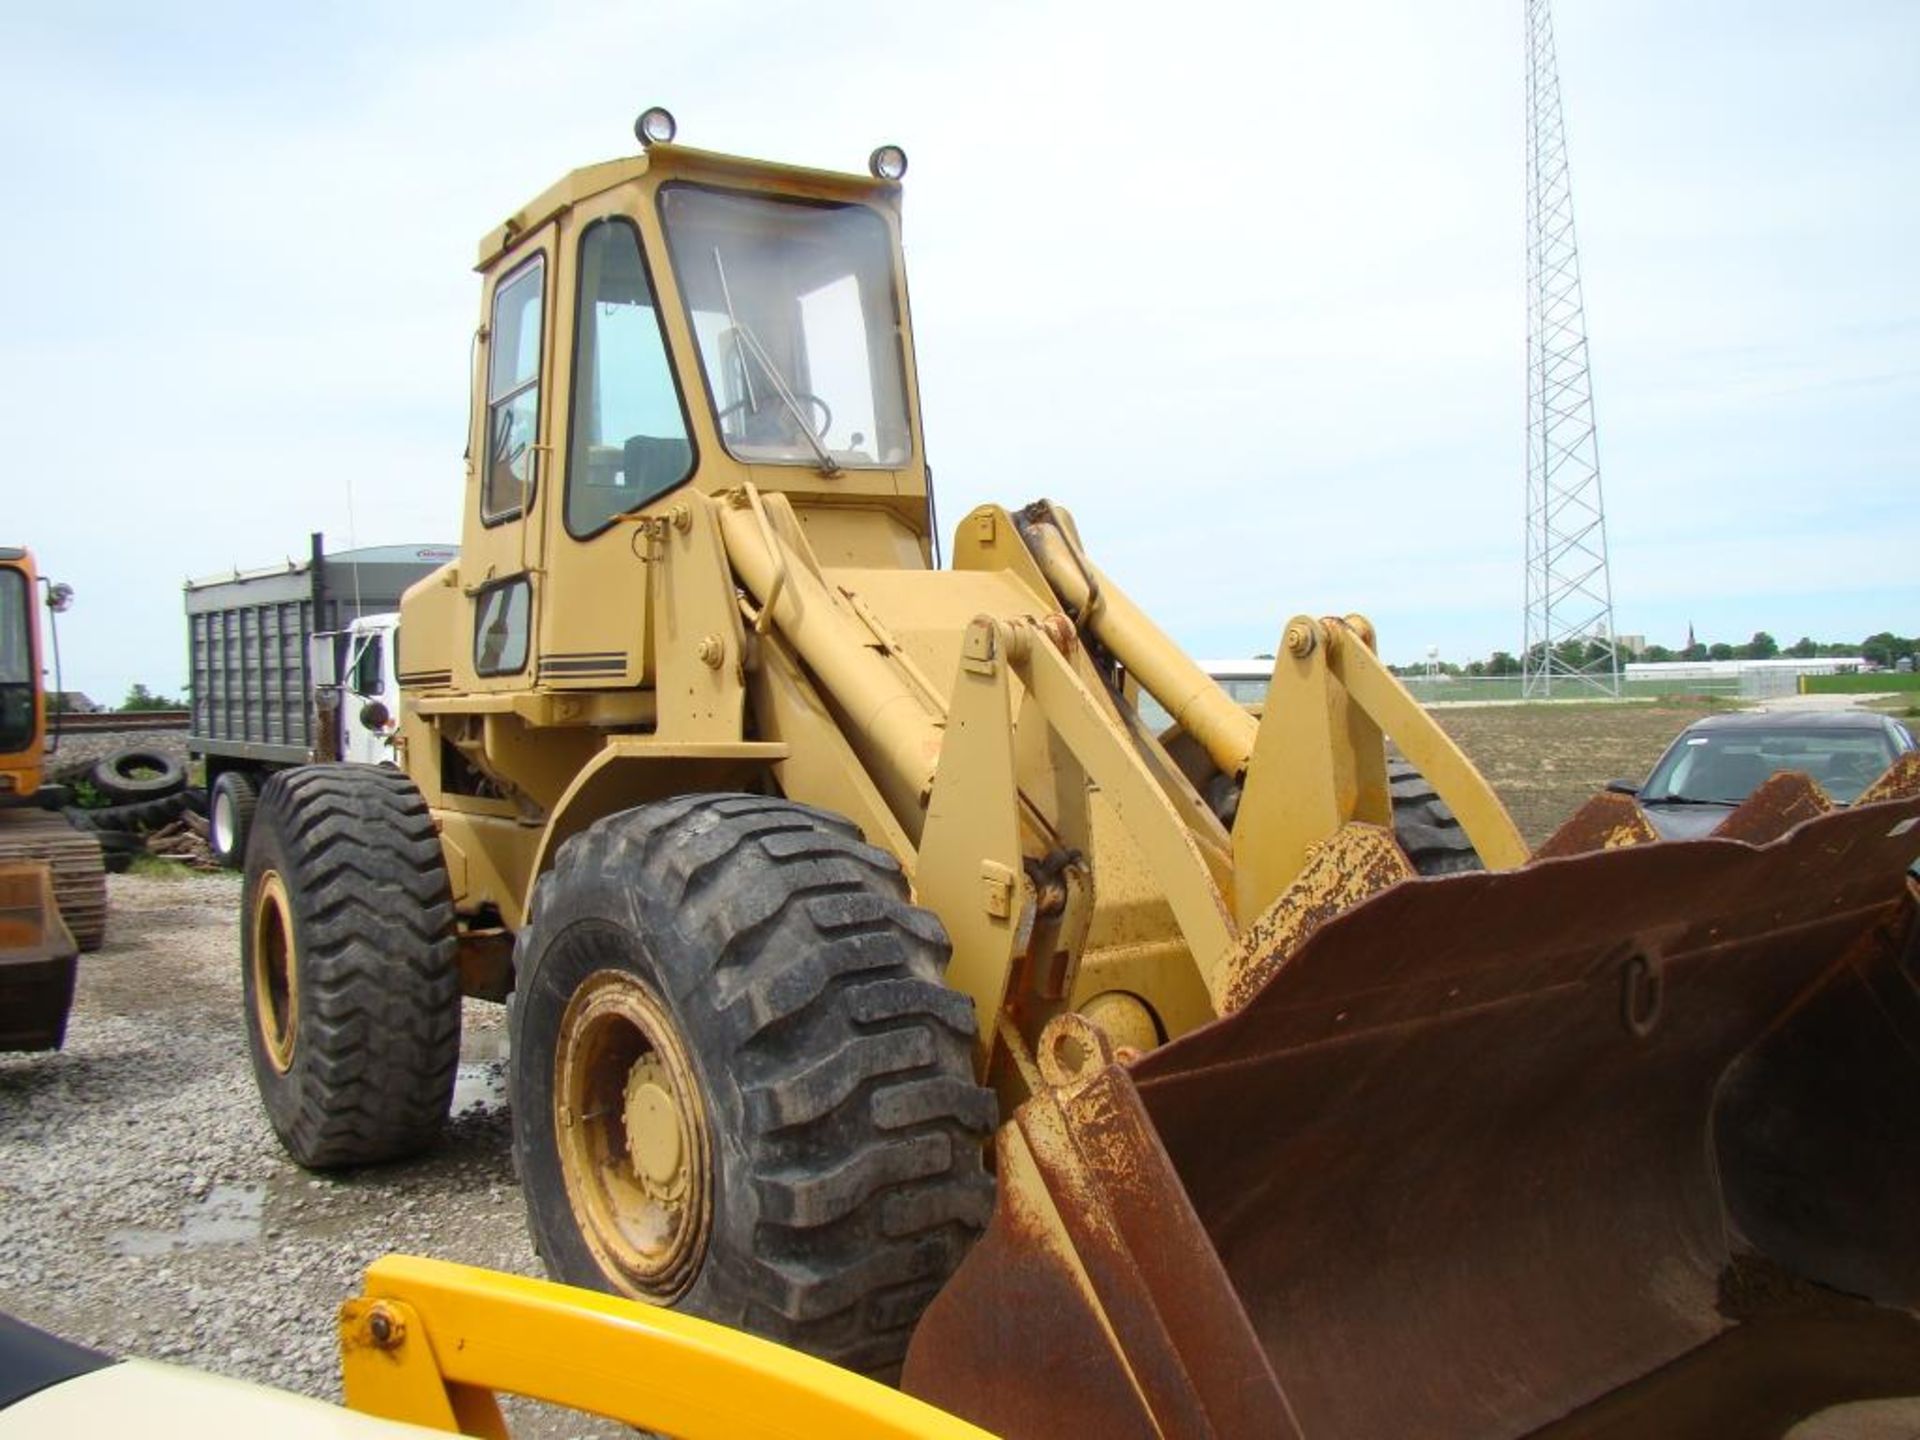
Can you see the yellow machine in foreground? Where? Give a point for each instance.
(53, 886)
(428, 1346)
(808, 869)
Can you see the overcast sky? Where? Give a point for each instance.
(1241, 285)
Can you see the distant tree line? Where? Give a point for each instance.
(1883, 649)
(140, 698)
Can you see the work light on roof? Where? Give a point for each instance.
(889, 162)
(655, 126)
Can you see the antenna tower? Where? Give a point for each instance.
(1569, 614)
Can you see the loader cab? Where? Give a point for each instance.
(670, 323)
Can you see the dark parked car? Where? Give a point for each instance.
(1719, 761)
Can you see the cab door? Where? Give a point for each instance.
(625, 445)
(509, 465)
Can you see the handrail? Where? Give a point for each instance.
(431, 1342)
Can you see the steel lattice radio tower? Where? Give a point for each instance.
(1569, 619)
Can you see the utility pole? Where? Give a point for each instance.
(1569, 635)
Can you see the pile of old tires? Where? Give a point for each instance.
(145, 790)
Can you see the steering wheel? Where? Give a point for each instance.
(805, 398)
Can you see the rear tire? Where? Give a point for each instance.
(230, 807)
(749, 968)
(1425, 825)
(347, 964)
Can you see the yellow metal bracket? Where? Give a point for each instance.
(969, 868)
(1157, 826)
(431, 1343)
(1319, 762)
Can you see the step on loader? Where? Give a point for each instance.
(881, 983)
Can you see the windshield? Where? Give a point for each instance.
(793, 309)
(1728, 766)
(16, 663)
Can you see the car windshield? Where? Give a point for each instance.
(16, 663)
(1727, 766)
(793, 307)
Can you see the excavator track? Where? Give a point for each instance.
(79, 877)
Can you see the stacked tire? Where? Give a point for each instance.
(134, 774)
(147, 791)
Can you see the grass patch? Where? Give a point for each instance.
(161, 867)
(1884, 680)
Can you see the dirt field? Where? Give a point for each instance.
(1546, 760)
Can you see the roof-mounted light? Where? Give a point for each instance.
(889, 162)
(655, 126)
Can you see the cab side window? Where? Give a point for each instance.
(366, 668)
(500, 627)
(629, 433)
(513, 391)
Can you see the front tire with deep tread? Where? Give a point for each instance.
(842, 1129)
(347, 963)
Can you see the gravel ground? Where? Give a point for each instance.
(149, 1209)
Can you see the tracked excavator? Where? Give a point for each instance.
(53, 886)
(881, 983)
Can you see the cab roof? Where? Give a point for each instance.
(680, 161)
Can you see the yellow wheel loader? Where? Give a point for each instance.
(881, 983)
(53, 885)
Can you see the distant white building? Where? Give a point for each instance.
(1711, 669)
(1755, 677)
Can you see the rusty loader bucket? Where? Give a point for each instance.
(1626, 1143)
(37, 960)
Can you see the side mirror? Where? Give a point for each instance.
(1623, 787)
(59, 598)
(323, 661)
(375, 716)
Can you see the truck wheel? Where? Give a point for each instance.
(347, 964)
(1424, 825)
(132, 774)
(230, 807)
(739, 1086)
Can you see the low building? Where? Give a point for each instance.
(1755, 678)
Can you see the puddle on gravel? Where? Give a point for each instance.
(481, 1086)
(228, 1215)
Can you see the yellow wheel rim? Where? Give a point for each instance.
(276, 972)
(631, 1131)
